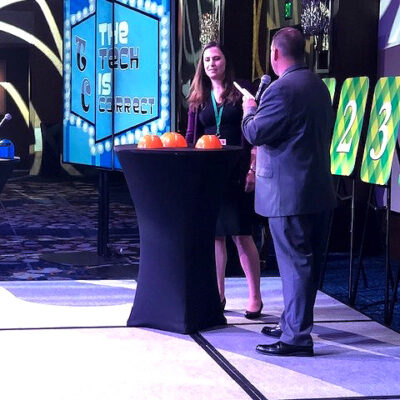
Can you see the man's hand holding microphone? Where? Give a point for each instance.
(249, 100)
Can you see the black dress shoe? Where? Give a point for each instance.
(254, 314)
(274, 331)
(284, 349)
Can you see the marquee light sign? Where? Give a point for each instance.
(116, 76)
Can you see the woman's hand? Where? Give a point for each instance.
(250, 181)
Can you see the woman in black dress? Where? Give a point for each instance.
(215, 108)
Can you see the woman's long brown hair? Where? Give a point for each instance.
(200, 89)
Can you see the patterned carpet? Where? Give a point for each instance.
(41, 216)
(370, 295)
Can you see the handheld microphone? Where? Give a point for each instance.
(7, 117)
(265, 81)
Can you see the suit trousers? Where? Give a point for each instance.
(299, 243)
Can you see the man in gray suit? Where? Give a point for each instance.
(291, 127)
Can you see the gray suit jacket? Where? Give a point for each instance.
(292, 127)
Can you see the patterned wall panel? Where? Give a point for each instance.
(33, 28)
(268, 16)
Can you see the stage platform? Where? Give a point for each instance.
(68, 340)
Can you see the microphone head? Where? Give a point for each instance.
(7, 117)
(266, 79)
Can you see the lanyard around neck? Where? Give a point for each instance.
(218, 113)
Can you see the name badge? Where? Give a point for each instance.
(223, 142)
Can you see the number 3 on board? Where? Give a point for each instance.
(387, 107)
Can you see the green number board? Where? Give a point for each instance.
(382, 132)
(331, 85)
(349, 121)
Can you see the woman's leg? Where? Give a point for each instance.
(220, 262)
(250, 261)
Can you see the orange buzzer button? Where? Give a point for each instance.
(173, 139)
(149, 142)
(209, 142)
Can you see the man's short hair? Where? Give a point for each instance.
(290, 41)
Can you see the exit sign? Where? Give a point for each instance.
(288, 9)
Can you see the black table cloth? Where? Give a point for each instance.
(6, 167)
(176, 193)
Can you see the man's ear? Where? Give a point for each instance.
(275, 54)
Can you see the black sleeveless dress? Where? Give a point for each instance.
(237, 208)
